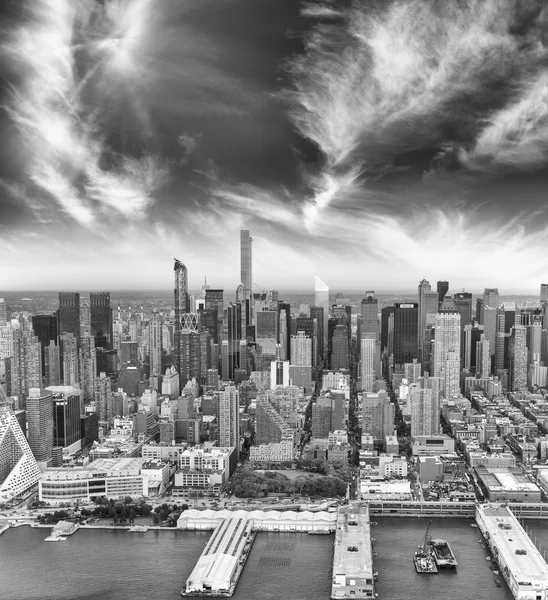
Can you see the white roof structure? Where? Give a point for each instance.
(208, 519)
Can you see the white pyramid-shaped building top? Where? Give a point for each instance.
(18, 468)
(319, 285)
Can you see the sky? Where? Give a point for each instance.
(369, 143)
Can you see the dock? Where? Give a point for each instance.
(221, 563)
(520, 562)
(353, 575)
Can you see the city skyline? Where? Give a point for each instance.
(124, 146)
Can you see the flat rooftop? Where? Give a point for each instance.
(216, 566)
(352, 559)
(509, 536)
(506, 480)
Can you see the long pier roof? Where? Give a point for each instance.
(519, 552)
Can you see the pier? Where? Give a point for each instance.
(353, 557)
(519, 560)
(219, 567)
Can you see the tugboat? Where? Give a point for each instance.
(424, 559)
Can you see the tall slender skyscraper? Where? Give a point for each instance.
(321, 298)
(428, 308)
(543, 293)
(246, 262)
(155, 342)
(229, 417)
(369, 328)
(181, 307)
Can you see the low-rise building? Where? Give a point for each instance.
(275, 452)
(379, 489)
(113, 478)
(158, 475)
(483, 459)
(433, 445)
(392, 466)
(507, 485)
(391, 444)
(430, 468)
(204, 469)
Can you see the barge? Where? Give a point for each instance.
(423, 558)
(443, 555)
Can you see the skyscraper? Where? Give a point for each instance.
(229, 417)
(40, 423)
(340, 355)
(3, 311)
(87, 368)
(405, 332)
(25, 363)
(318, 343)
(377, 415)
(181, 306)
(507, 317)
(101, 319)
(491, 300)
(52, 373)
(543, 293)
(447, 352)
(155, 326)
(69, 360)
(321, 298)
(427, 309)
(369, 327)
(18, 468)
(246, 262)
(367, 363)
(518, 358)
(442, 288)
(66, 417)
(301, 350)
(68, 314)
(425, 411)
(45, 329)
(483, 357)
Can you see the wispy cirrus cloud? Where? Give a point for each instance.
(382, 82)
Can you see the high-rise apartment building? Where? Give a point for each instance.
(301, 350)
(101, 319)
(25, 363)
(483, 357)
(518, 358)
(18, 469)
(246, 262)
(69, 360)
(39, 406)
(377, 415)
(425, 411)
(229, 417)
(3, 311)
(87, 368)
(367, 363)
(68, 314)
(266, 323)
(103, 398)
(447, 352)
(155, 327)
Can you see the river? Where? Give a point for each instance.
(117, 565)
